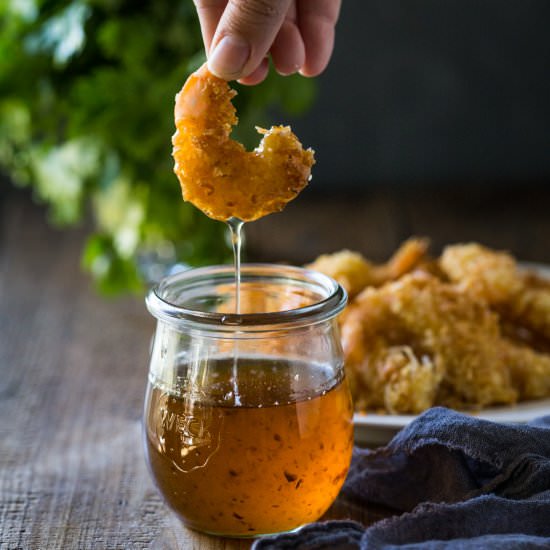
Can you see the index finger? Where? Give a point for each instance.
(210, 13)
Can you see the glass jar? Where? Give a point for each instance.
(248, 418)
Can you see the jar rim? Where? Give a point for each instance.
(327, 307)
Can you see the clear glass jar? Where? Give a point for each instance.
(248, 418)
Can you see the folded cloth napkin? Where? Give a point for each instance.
(461, 482)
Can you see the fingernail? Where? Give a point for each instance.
(229, 57)
(294, 70)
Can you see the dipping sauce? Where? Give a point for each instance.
(263, 452)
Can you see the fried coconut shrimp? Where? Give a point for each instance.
(349, 268)
(419, 341)
(530, 308)
(487, 274)
(521, 298)
(216, 173)
(530, 370)
(354, 272)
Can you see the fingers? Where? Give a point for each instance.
(244, 35)
(257, 75)
(317, 20)
(288, 50)
(238, 34)
(209, 12)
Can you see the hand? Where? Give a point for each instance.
(239, 34)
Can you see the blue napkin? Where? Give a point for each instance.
(457, 482)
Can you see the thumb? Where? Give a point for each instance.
(244, 36)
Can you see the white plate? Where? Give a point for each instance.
(377, 429)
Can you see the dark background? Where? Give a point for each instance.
(434, 91)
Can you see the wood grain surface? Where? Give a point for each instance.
(73, 366)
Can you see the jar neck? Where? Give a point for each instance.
(273, 298)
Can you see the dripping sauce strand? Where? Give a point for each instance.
(235, 227)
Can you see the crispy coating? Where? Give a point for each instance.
(354, 272)
(349, 268)
(531, 307)
(521, 298)
(216, 173)
(418, 342)
(530, 370)
(487, 274)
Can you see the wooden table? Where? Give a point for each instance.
(73, 366)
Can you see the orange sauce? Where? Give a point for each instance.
(257, 455)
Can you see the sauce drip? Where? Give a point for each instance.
(235, 227)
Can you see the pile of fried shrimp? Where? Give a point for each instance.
(466, 330)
